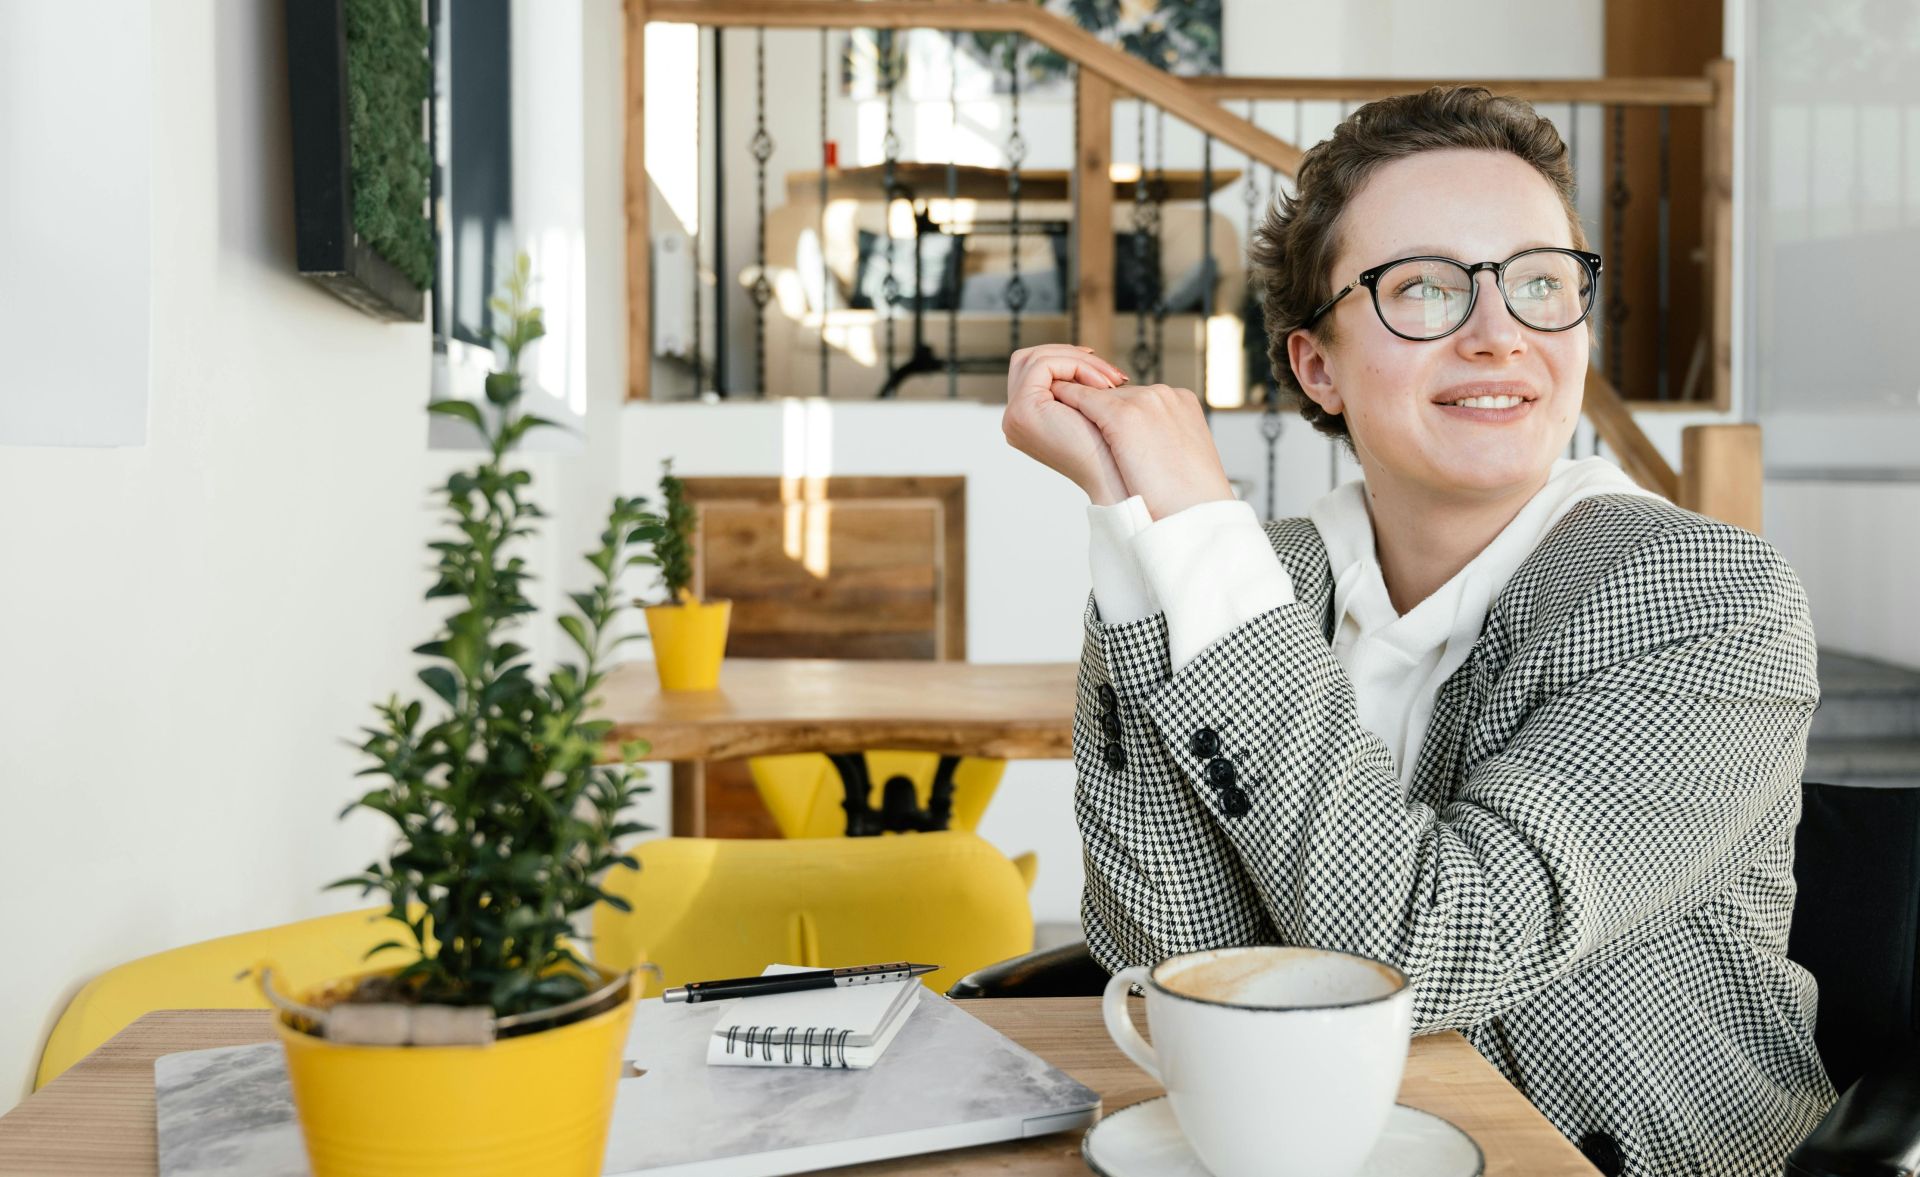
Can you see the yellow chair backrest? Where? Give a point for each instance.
(206, 976)
(804, 793)
(706, 908)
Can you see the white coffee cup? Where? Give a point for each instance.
(1278, 1061)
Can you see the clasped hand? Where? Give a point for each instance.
(1074, 412)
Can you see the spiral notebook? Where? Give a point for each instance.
(848, 1026)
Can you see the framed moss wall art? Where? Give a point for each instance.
(359, 76)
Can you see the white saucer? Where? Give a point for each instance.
(1144, 1141)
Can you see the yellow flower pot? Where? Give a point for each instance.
(688, 642)
(537, 1103)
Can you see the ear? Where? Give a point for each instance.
(1313, 368)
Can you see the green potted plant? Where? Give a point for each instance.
(488, 1044)
(689, 635)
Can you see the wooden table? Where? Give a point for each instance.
(98, 1116)
(769, 706)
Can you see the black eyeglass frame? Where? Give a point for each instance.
(1371, 280)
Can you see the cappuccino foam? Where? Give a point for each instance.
(1271, 977)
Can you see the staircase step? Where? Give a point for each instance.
(1882, 763)
(1863, 698)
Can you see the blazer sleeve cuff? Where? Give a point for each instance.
(1212, 569)
(1130, 656)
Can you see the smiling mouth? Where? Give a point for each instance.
(1485, 402)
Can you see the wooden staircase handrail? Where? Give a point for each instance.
(1129, 73)
(1674, 91)
(1196, 101)
(1614, 422)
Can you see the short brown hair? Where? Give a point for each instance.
(1293, 250)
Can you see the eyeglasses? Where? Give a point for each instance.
(1426, 298)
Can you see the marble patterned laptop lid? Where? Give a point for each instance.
(948, 1081)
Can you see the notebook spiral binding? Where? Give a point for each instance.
(765, 1035)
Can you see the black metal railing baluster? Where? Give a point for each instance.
(953, 203)
(1016, 151)
(699, 341)
(720, 300)
(890, 152)
(1206, 271)
(1333, 444)
(1250, 183)
(1159, 193)
(1660, 337)
(1573, 145)
(826, 274)
(1271, 427)
(1142, 216)
(1070, 278)
(1618, 195)
(762, 148)
(1249, 307)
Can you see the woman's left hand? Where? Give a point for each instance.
(1159, 440)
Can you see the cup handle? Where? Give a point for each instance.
(1113, 1007)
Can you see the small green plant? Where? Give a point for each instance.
(674, 549)
(505, 820)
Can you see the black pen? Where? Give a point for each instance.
(866, 974)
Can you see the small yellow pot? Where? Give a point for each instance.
(689, 640)
(538, 1103)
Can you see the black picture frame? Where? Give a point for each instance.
(326, 246)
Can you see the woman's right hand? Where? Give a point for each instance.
(1055, 434)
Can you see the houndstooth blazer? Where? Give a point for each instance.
(1591, 877)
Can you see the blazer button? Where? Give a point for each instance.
(1108, 698)
(1110, 724)
(1206, 743)
(1604, 1151)
(1116, 757)
(1220, 773)
(1234, 800)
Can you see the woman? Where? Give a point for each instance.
(1504, 720)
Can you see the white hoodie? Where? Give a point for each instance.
(1211, 569)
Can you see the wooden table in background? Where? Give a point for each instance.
(770, 706)
(98, 1117)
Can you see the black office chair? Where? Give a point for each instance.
(1856, 928)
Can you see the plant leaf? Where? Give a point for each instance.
(465, 410)
(441, 682)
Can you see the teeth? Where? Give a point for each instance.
(1489, 402)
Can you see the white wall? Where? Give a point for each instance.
(1832, 233)
(84, 163)
(1829, 227)
(194, 627)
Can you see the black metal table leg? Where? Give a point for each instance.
(862, 821)
(940, 803)
(899, 813)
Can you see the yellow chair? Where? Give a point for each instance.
(804, 793)
(706, 908)
(206, 976)
(805, 796)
